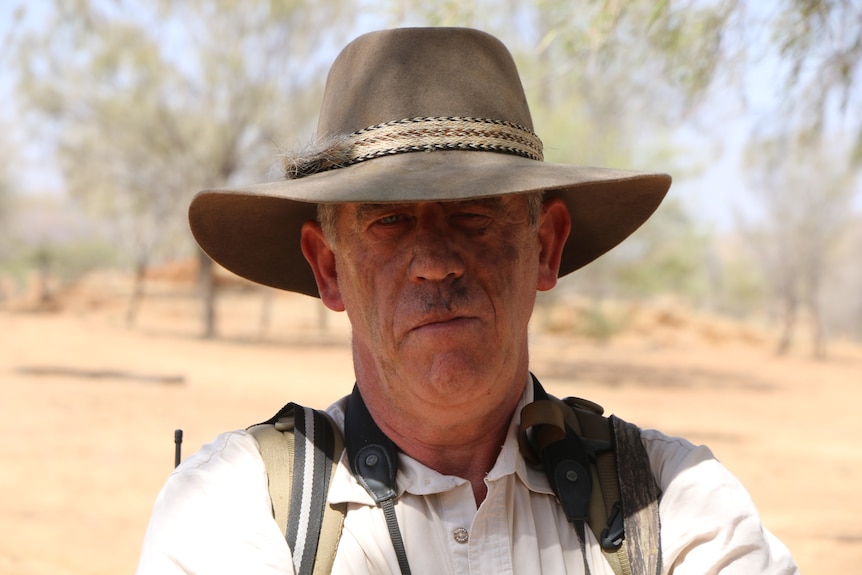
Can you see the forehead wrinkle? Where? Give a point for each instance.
(364, 210)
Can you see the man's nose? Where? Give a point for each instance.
(435, 256)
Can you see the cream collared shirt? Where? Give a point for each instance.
(213, 516)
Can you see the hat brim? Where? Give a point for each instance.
(254, 231)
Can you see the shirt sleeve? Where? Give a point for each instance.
(214, 516)
(709, 523)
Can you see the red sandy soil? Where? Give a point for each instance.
(88, 409)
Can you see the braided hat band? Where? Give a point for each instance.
(417, 135)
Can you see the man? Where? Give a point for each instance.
(427, 214)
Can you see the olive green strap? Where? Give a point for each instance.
(587, 420)
(276, 450)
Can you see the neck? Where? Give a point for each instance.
(465, 447)
(471, 460)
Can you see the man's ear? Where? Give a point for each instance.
(554, 227)
(321, 258)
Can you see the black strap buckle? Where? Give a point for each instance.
(615, 533)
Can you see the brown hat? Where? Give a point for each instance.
(408, 115)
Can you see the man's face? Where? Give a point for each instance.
(439, 294)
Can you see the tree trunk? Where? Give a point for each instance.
(790, 308)
(818, 334)
(43, 264)
(206, 280)
(137, 292)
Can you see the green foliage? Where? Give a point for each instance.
(69, 261)
(821, 43)
(806, 193)
(667, 255)
(152, 102)
(689, 42)
(49, 234)
(601, 323)
(743, 290)
(435, 13)
(8, 191)
(5, 206)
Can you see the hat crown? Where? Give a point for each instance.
(421, 72)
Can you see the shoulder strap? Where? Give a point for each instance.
(605, 519)
(373, 458)
(620, 499)
(300, 448)
(639, 497)
(624, 508)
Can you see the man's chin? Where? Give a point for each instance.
(456, 372)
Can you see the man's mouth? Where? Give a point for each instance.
(443, 322)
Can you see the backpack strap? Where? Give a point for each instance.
(300, 448)
(373, 458)
(639, 498)
(621, 495)
(605, 520)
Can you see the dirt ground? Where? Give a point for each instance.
(88, 409)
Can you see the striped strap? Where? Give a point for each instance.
(300, 448)
(314, 444)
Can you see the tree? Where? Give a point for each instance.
(6, 196)
(6, 237)
(53, 238)
(821, 43)
(806, 198)
(842, 308)
(153, 102)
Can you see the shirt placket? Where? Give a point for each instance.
(457, 510)
(490, 549)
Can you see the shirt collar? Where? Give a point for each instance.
(510, 459)
(417, 479)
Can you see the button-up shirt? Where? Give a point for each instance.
(214, 515)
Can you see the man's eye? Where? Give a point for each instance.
(391, 219)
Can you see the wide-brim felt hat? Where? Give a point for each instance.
(410, 115)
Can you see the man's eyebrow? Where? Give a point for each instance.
(364, 211)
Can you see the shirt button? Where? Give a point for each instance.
(461, 535)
